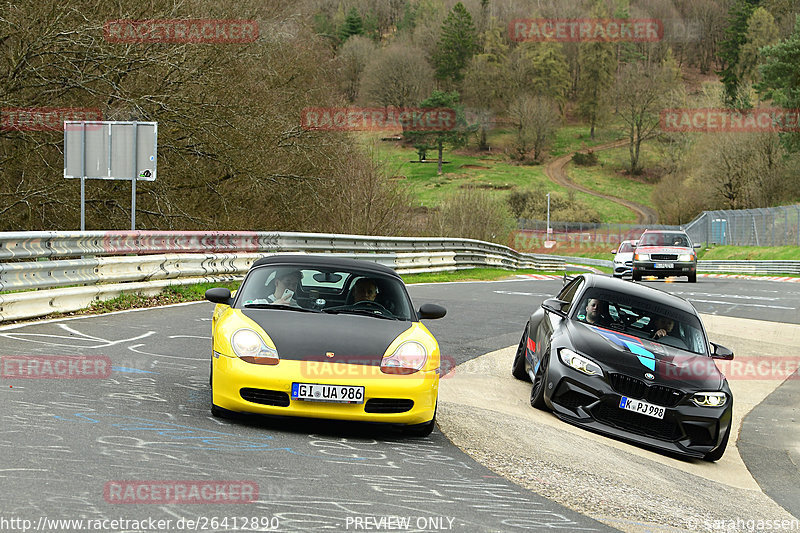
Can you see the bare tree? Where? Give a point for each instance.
(535, 120)
(397, 76)
(353, 57)
(642, 91)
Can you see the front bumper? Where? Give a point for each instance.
(263, 389)
(622, 269)
(678, 268)
(593, 402)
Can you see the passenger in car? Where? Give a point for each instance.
(662, 326)
(365, 289)
(285, 287)
(597, 312)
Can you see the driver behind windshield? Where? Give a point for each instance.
(285, 286)
(364, 289)
(596, 312)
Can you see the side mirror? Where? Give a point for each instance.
(698, 246)
(431, 311)
(219, 295)
(721, 352)
(553, 305)
(614, 251)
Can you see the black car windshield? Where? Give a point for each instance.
(645, 319)
(339, 291)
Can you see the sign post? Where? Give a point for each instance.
(110, 151)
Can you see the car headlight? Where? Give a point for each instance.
(710, 399)
(642, 257)
(408, 358)
(579, 362)
(250, 347)
(686, 257)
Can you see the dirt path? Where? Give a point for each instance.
(556, 171)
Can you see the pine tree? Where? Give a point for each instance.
(456, 46)
(597, 66)
(735, 35)
(780, 78)
(353, 25)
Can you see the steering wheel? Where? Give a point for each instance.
(369, 303)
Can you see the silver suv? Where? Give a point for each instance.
(664, 253)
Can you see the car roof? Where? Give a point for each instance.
(679, 231)
(640, 291)
(324, 261)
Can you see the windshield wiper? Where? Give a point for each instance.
(358, 312)
(280, 306)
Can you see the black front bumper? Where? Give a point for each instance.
(593, 402)
(678, 268)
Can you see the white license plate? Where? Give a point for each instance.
(314, 392)
(665, 265)
(638, 406)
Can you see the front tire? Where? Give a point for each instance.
(539, 381)
(692, 278)
(518, 369)
(636, 276)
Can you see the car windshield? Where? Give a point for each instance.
(664, 239)
(625, 247)
(317, 289)
(645, 319)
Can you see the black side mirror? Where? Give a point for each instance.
(553, 305)
(431, 311)
(721, 352)
(219, 295)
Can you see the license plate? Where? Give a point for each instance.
(314, 392)
(665, 265)
(638, 406)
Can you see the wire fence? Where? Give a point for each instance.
(773, 226)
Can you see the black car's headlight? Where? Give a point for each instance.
(709, 399)
(579, 362)
(250, 347)
(686, 257)
(642, 257)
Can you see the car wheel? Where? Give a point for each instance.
(421, 430)
(539, 380)
(636, 276)
(693, 278)
(717, 454)
(518, 369)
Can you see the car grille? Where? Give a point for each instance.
(265, 397)
(649, 426)
(636, 388)
(663, 257)
(388, 405)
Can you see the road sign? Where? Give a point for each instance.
(110, 150)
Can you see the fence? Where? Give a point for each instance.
(773, 226)
(90, 266)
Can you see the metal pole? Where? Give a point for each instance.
(548, 216)
(133, 179)
(83, 176)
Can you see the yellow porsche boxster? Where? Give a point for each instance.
(324, 337)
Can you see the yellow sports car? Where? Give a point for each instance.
(324, 337)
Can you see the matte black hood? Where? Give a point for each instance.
(309, 336)
(634, 356)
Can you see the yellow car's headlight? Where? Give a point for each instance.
(250, 347)
(408, 358)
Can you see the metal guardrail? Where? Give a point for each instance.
(102, 265)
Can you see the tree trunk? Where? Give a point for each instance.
(441, 148)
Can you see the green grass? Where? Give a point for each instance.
(785, 253)
(576, 137)
(472, 274)
(605, 178)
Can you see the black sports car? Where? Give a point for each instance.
(628, 361)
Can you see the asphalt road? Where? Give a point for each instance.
(65, 441)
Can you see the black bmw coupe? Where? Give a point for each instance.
(628, 361)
